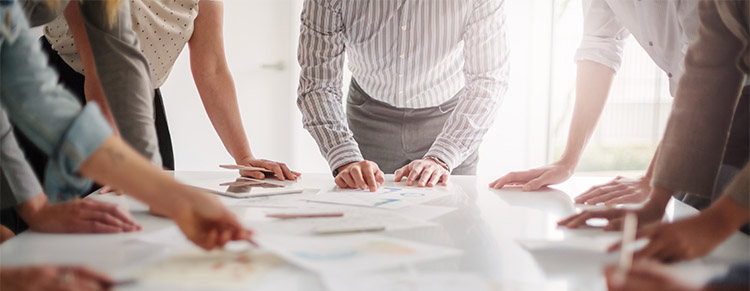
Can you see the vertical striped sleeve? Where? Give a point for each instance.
(486, 75)
(321, 58)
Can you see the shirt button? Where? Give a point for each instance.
(669, 75)
(650, 43)
(402, 75)
(401, 92)
(402, 56)
(403, 27)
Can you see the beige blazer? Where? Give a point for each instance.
(715, 70)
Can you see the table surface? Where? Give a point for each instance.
(486, 225)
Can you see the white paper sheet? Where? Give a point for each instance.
(170, 236)
(598, 244)
(424, 212)
(410, 282)
(216, 269)
(346, 254)
(353, 217)
(386, 197)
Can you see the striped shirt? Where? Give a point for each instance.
(409, 54)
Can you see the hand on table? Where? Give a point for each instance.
(107, 189)
(82, 216)
(360, 175)
(536, 178)
(424, 172)
(618, 191)
(643, 276)
(208, 223)
(685, 239)
(53, 278)
(646, 214)
(280, 170)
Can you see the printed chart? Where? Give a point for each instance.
(385, 197)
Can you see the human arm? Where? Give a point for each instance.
(53, 278)
(620, 190)
(321, 58)
(651, 211)
(78, 141)
(485, 71)
(692, 237)
(75, 216)
(645, 276)
(598, 57)
(593, 82)
(216, 88)
(201, 217)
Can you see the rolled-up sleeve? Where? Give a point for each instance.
(48, 114)
(19, 183)
(603, 35)
(486, 72)
(321, 58)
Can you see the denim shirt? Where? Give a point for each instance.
(42, 109)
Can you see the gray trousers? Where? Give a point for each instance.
(393, 137)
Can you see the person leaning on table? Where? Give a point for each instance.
(716, 67)
(80, 143)
(428, 77)
(664, 29)
(163, 29)
(104, 26)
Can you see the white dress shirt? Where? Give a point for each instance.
(664, 28)
(409, 54)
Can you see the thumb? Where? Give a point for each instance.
(256, 175)
(535, 184)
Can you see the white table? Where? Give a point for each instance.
(486, 226)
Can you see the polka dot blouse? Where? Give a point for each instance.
(163, 28)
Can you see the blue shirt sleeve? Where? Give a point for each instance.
(43, 110)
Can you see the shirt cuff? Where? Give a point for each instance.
(343, 154)
(603, 51)
(85, 135)
(446, 151)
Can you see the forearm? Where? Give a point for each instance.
(219, 97)
(650, 171)
(659, 198)
(116, 164)
(730, 214)
(593, 82)
(324, 118)
(465, 128)
(31, 207)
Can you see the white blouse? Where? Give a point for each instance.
(163, 28)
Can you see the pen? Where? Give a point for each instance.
(304, 215)
(628, 236)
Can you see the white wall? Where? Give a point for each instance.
(267, 97)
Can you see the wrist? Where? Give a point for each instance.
(240, 159)
(569, 161)
(29, 209)
(659, 198)
(438, 161)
